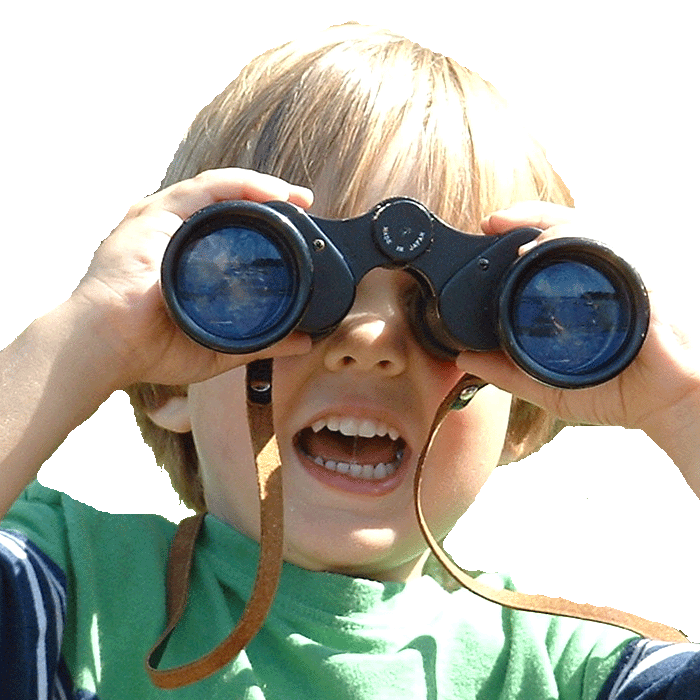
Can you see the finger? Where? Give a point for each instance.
(301, 196)
(184, 198)
(294, 344)
(496, 368)
(493, 367)
(549, 234)
(538, 214)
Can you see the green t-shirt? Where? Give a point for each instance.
(327, 635)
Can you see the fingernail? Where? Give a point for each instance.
(527, 247)
(485, 222)
(305, 191)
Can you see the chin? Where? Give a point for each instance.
(361, 552)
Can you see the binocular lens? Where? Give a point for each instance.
(235, 283)
(575, 314)
(569, 318)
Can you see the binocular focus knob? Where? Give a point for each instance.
(402, 229)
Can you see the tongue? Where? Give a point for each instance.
(341, 448)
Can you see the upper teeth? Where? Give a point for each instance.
(362, 427)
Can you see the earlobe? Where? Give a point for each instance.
(173, 415)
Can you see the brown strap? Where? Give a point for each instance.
(267, 462)
(524, 601)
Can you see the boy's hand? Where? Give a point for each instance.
(114, 330)
(658, 392)
(121, 291)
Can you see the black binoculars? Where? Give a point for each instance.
(239, 276)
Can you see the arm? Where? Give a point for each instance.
(114, 329)
(53, 377)
(650, 670)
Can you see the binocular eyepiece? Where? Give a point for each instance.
(239, 276)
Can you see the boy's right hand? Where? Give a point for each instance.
(121, 291)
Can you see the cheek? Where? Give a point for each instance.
(220, 431)
(218, 413)
(464, 454)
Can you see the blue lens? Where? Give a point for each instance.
(235, 283)
(570, 319)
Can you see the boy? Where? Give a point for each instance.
(353, 116)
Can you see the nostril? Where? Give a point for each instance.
(350, 360)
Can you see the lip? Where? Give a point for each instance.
(349, 484)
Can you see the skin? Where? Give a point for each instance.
(114, 331)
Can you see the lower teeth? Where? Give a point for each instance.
(371, 472)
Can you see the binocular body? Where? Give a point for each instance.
(239, 276)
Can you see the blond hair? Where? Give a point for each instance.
(343, 111)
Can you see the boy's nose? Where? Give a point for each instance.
(374, 335)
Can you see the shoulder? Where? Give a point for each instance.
(65, 530)
(67, 570)
(538, 650)
(608, 662)
(651, 670)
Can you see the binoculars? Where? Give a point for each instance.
(239, 276)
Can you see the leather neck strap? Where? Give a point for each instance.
(524, 601)
(267, 463)
(268, 467)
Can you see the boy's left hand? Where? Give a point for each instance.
(658, 393)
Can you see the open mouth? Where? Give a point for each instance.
(359, 448)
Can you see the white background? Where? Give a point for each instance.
(95, 101)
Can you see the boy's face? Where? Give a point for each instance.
(369, 377)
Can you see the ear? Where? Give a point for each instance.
(173, 415)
